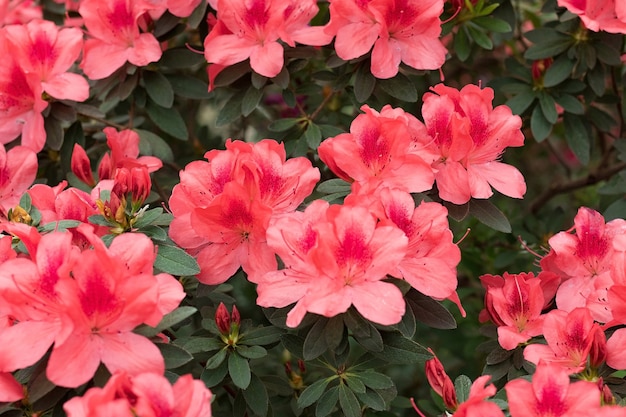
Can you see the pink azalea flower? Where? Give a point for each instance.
(431, 258)
(477, 405)
(145, 394)
(608, 15)
(41, 48)
(251, 29)
(19, 11)
(515, 308)
(115, 37)
(467, 136)
(440, 382)
(10, 389)
(376, 154)
(550, 394)
(222, 207)
(20, 103)
(351, 256)
(398, 30)
(570, 337)
(18, 169)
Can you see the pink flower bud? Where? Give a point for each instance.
(140, 184)
(105, 169)
(441, 382)
(235, 317)
(597, 352)
(121, 182)
(222, 319)
(81, 167)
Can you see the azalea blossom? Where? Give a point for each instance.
(466, 138)
(19, 11)
(115, 37)
(18, 169)
(145, 394)
(41, 48)
(609, 15)
(394, 30)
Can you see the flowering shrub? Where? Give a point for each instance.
(263, 207)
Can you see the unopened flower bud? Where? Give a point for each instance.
(597, 353)
(441, 382)
(222, 319)
(105, 170)
(81, 166)
(140, 184)
(607, 396)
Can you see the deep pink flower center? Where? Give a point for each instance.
(17, 96)
(591, 244)
(122, 21)
(308, 239)
(43, 52)
(550, 403)
(237, 217)
(400, 16)
(401, 218)
(373, 149)
(256, 15)
(353, 254)
(97, 298)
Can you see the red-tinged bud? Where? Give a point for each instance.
(140, 184)
(301, 366)
(441, 382)
(222, 319)
(235, 317)
(105, 169)
(607, 396)
(121, 182)
(597, 353)
(81, 166)
(540, 67)
(288, 369)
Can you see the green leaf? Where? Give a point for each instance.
(197, 16)
(152, 144)
(313, 392)
(559, 71)
(355, 384)
(313, 135)
(372, 399)
(492, 24)
(54, 133)
(577, 137)
(59, 225)
(548, 49)
(540, 127)
(348, 402)
(181, 58)
(329, 131)
(217, 359)
(231, 110)
(173, 260)
(202, 344)
(315, 342)
(155, 233)
(256, 396)
(407, 325)
(251, 100)
(168, 120)
(462, 386)
(429, 311)
(174, 356)
(212, 377)
(375, 380)
(188, 87)
(570, 104)
(462, 45)
(159, 88)
(480, 37)
(597, 80)
(400, 87)
(607, 54)
(334, 185)
(489, 215)
(282, 79)
(148, 217)
(520, 102)
(364, 83)
(26, 202)
(282, 125)
(397, 349)
(327, 402)
(239, 370)
(261, 336)
(251, 352)
(363, 331)
(548, 107)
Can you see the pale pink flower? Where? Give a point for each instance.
(606, 15)
(10, 389)
(41, 48)
(19, 11)
(18, 169)
(115, 37)
(398, 30)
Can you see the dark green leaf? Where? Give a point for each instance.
(251, 352)
(547, 49)
(407, 325)
(315, 342)
(256, 396)
(492, 24)
(577, 136)
(54, 133)
(397, 349)
(498, 355)
(60, 225)
(520, 102)
(73, 135)
(159, 88)
(258, 81)
(155, 233)
(168, 120)
(212, 377)
(152, 144)
(570, 104)
(282, 79)
(364, 83)
(545, 34)
(490, 215)
(348, 402)
(329, 131)
(480, 37)
(375, 380)
(372, 399)
(548, 107)
(355, 384)
(285, 124)
(462, 45)
(400, 87)
(293, 344)
(601, 119)
(261, 336)
(540, 127)
(239, 370)
(462, 386)
(148, 217)
(334, 185)
(251, 100)
(174, 356)
(327, 402)
(188, 86)
(202, 344)
(559, 71)
(197, 16)
(607, 54)
(313, 135)
(363, 331)
(313, 392)
(231, 110)
(217, 359)
(173, 260)
(429, 311)
(181, 57)
(597, 80)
